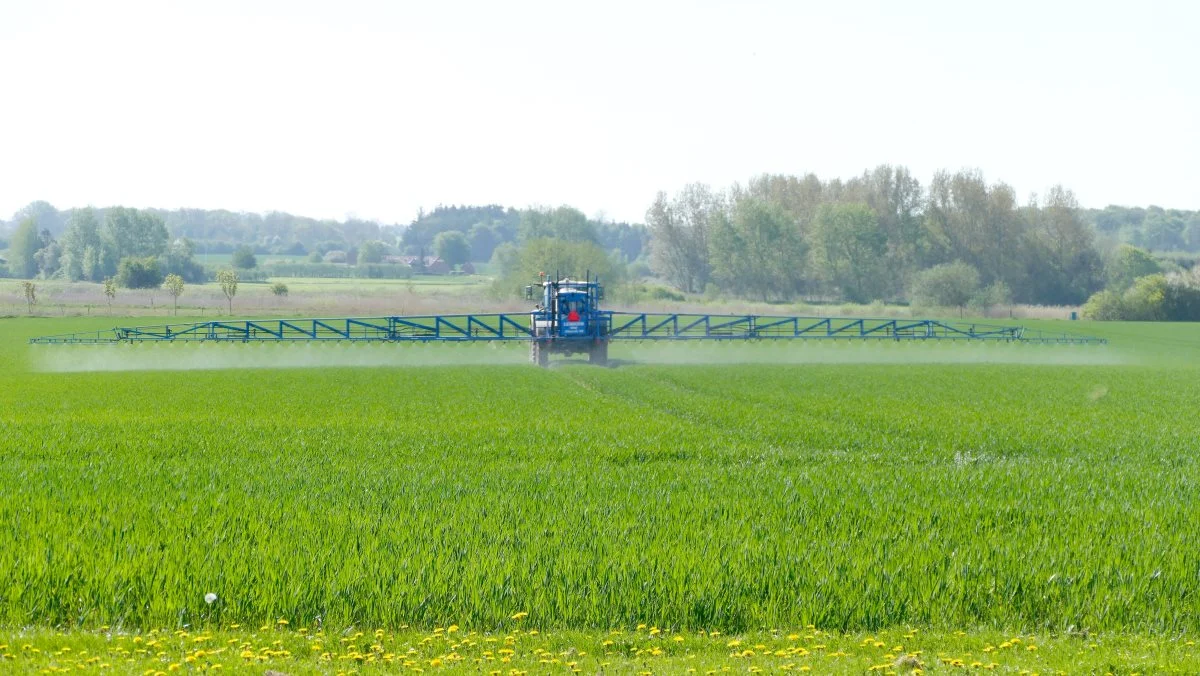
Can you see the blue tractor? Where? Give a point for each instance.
(568, 320)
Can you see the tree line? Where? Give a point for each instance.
(1152, 228)
(479, 231)
(458, 234)
(871, 237)
(130, 245)
(879, 236)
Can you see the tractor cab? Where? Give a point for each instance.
(573, 312)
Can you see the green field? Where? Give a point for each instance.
(831, 494)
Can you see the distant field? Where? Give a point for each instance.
(423, 282)
(1009, 494)
(420, 294)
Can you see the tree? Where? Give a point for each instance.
(996, 293)
(897, 198)
(243, 258)
(506, 258)
(133, 233)
(279, 289)
(484, 239)
(43, 214)
(371, 251)
(48, 256)
(139, 273)
(174, 287)
(81, 246)
(1128, 263)
(180, 260)
(91, 268)
(1065, 266)
(946, 285)
(110, 291)
(22, 250)
(551, 256)
(757, 250)
(850, 247)
(452, 247)
(30, 290)
(679, 235)
(228, 279)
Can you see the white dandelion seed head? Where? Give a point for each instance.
(210, 597)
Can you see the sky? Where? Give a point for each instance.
(379, 109)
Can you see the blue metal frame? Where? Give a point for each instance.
(741, 327)
(606, 325)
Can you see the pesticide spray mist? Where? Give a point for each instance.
(200, 356)
(205, 356)
(868, 352)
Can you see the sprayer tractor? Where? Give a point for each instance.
(569, 320)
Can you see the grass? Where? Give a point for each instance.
(864, 498)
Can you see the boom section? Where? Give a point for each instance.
(396, 329)
(644, 326)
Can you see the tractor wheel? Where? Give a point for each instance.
(538, 354)
(598, 355)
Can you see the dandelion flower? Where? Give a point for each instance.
(210, 598)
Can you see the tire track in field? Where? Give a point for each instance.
(848, 423)
(629, 398)
(731, 417)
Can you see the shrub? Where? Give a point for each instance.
(1151, 298)
(243, 258)
(946, 285)
(996, 293)
(139, 273)
(1104, 306)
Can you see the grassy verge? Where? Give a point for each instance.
(645, 649)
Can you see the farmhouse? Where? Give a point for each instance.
(430, 265)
